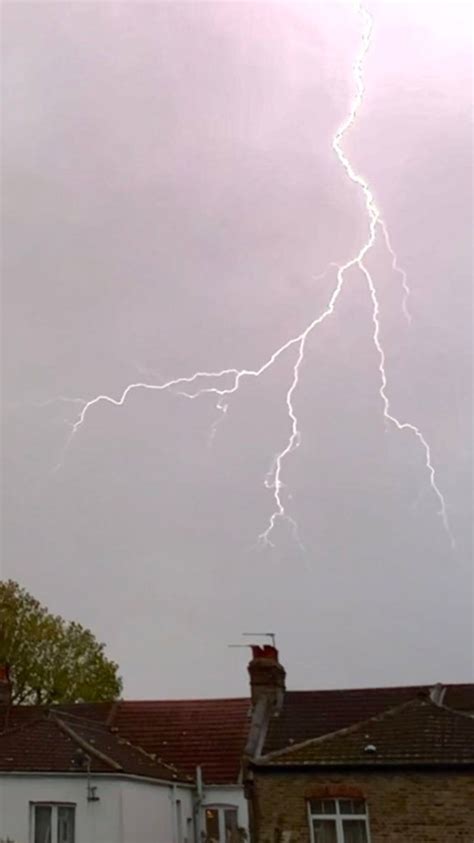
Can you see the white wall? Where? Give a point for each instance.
(129, 811)
(148, 816)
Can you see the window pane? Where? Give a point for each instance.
(346, 806)
(230, 825)
(212, 825)
(359, 806)
(42, 824)
(352, 806)
(324, 831)
(316, 806)
(65, 824)
(355, 831)
(322, 806)
(329, 806)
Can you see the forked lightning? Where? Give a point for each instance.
(230, 379)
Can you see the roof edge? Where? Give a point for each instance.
(275, 767)
(94, 775)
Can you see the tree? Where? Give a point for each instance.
(51, 660)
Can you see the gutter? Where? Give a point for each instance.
(119, 776)
(360, 766)
(198, 805)
(174, 818)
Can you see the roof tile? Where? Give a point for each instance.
(53, 743)
(415, 733)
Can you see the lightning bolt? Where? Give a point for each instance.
(226, 382)
(399, 270)
(222, 407)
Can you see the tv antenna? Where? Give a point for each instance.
(270, 635)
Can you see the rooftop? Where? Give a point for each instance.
(311, 714)
(54, 743)
(415, 733)
(212, 733)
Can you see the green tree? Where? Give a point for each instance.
(51, 660)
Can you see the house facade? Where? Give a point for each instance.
(38, 808)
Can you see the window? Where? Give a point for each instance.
(54, 823)
(338, 821)
(221, 824)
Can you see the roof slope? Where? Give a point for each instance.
(311, 714)
(208, 733)
(415, 733)
(52, 743)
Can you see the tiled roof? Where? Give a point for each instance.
(54, 743)
(187, 733)
(208, 733)
(212, 733)
(415, 733)
(310, 714)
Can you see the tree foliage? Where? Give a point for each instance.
(51, 660)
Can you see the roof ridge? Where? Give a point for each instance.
(85, 745)
(418, 686)
(456, 711)
(151, 756)
(183, 700)
(347, 730)
(120, 739)
(100, 726)
(364, 688)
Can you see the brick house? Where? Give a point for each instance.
(403, 776)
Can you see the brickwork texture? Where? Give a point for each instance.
(403, 807)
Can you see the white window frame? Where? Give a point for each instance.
(221, 809)
(54, 817)
(338, 816)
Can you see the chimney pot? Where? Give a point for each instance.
(267, 676)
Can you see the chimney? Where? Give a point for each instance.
(267, 677)
(5, 685)
(438, 693)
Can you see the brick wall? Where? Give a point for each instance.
(418, 807)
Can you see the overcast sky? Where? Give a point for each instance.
(171, 199)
